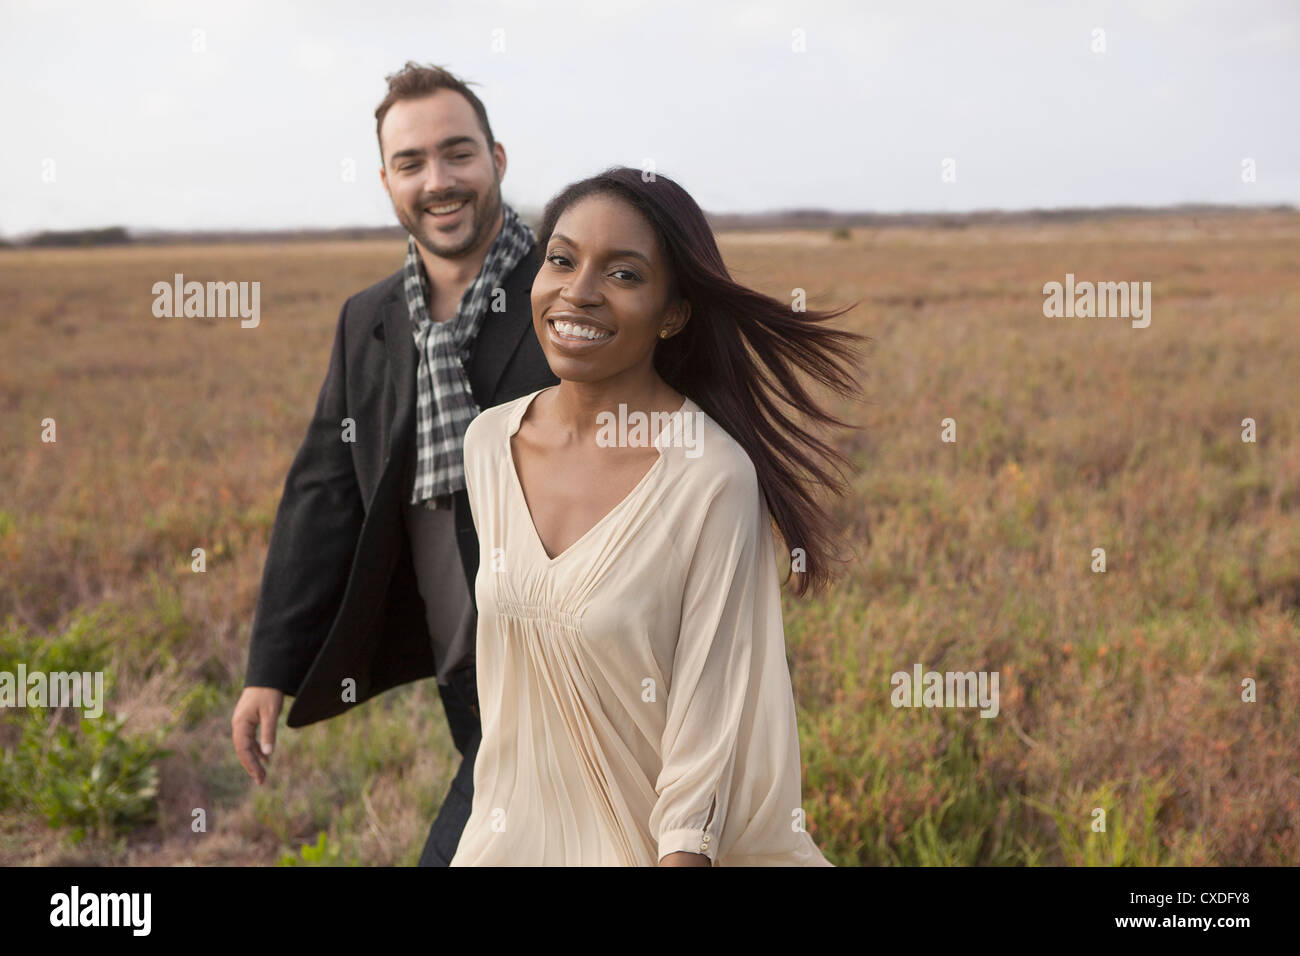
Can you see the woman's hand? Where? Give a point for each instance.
(683, 858)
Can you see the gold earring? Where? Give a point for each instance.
(663, 333)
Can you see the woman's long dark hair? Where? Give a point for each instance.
(737, 358)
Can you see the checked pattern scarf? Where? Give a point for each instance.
(444, 402)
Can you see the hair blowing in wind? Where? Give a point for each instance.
(743, 358)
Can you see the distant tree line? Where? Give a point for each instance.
(113, 235)
(837, 221)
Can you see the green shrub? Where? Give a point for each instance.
(93, 778)
(324, 852)
(99, 780)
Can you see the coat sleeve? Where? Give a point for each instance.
(317, 526)
(710, 683)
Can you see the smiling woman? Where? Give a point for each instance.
(636, 701)
(633, 298)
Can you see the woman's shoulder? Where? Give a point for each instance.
(716, 498)
(710, 458)
(491, 423)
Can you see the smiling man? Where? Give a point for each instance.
(365, 582)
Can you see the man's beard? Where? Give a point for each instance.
(432, 242)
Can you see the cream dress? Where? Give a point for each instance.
(634, 690)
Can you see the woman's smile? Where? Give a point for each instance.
(574, 333)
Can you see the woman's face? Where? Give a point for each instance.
(600, 297)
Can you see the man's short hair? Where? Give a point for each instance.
(415, 80)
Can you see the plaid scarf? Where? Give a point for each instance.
(445, 404)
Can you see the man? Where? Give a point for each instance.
(368, 581)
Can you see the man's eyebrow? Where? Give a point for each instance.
(451, 141)
(447, 143)
(613, 253)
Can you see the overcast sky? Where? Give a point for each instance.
(111, 116)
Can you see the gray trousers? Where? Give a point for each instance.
(460, 700)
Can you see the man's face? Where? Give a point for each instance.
(444, 182)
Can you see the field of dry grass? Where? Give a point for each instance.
(1120, 691)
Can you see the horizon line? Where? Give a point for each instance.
(736, 220)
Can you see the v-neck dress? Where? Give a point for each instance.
(634, 691)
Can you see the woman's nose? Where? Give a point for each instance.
(581, 288)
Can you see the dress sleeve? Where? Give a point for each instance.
(711, 669)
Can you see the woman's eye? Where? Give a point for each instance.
(559, 260)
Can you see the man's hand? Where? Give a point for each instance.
(257, 707)
(684, 858)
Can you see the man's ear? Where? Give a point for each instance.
(499, 159)
(383, 178)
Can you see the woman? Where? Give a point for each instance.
(634, 692)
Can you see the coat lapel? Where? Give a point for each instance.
(501, 332)
(395, 324)
(498, 338)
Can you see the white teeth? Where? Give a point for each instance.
(440, 210)
(584, 331)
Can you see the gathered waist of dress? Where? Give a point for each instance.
(537, 612)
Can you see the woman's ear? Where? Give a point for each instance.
(680, 314)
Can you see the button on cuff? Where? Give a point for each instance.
(687, 840)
